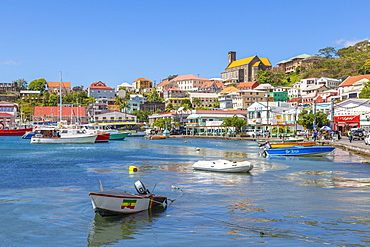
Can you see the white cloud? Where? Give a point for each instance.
(10, 62)
(346, 43)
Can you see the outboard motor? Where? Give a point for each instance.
(140, 188)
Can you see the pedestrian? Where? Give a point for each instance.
(314, 134)
(339, 135)
(350, 135)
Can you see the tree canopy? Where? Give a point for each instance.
(234, 122)
(307, 119)
(154, 96)
(38, 85)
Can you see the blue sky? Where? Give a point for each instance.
(117, 41)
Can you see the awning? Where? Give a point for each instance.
(193, 116)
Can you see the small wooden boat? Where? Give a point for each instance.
(299, 150)
(114, 202)
(291, 144)
(223, 166)
(156, 137)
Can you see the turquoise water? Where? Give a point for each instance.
(294, 201)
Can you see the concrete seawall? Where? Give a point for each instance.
(358, 147)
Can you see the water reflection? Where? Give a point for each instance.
(328, 179)
(109, 230)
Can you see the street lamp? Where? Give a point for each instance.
(267, 96)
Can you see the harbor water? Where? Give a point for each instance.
(285, 201)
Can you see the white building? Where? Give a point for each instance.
(189, 82)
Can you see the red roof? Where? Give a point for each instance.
(41, 111)
(188, 77)
(220, 111)
(142, 79)
(4, 114)
(249, 84)
(101, 87)
(294, 100)
(352, 79)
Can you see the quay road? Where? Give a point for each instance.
(356, 146)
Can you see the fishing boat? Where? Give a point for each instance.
(223, 166)
(280, 140)
(291, 144)
(52, 135)
(114, 202)
(114, 135)
(299, 150)
(14, 132)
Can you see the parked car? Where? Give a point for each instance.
(367, 139)
(358, 134)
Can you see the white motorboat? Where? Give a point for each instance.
(223, 166)
(52, 135)
(113, 202)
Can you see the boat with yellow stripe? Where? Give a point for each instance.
(291, 144)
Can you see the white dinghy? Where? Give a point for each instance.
(223, 166)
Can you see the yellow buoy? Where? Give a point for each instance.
(132, 169)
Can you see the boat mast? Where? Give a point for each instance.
(60, 98)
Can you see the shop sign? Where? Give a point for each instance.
(351, 119)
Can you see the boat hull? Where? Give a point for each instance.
(102, 137)
(63, 140)
(14, 132)
(279, 141)
(116, 136)
(299, 150)
(223, 166)
(157, 137)
(114, 202)
(292, 144)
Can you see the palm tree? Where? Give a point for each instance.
(197, 102)
(123, 104)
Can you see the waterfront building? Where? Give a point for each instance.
(57, 86)
(352, 113)
(8, 114)
(267, 113)
(69, 114)
(179, 116)
(208, 122)
(244, 70)
(115, 116)
(100, 90)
